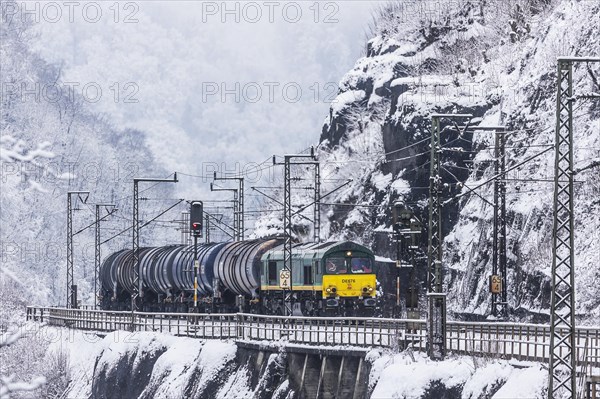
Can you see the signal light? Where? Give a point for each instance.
(196, 218)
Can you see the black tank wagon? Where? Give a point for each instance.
(327, 278)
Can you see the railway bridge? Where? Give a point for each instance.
(321, 345)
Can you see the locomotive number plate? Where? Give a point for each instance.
(284, 279)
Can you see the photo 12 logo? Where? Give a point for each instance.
(89, 92)
(269, 11)
(71, 11)
(50, 172)
(254, 92)
(252, 172)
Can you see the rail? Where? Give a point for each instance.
(519, 341)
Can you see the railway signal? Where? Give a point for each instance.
(196, 219)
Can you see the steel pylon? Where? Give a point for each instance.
(500, 301)
(562, 372)
(562, 324)
(137, 281)
(83, 197)
(287, 220)
(437, 298)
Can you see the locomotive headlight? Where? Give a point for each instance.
(367, 290)
(331, 290)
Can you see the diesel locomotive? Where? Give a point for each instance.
(332, 278)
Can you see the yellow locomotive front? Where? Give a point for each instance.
(349, 280)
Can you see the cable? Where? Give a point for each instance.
(408, 146)
(96, 222)
(145, 224)
(499, 175)
(405, 158)
(467, 187)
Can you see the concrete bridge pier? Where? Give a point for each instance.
(327, 373)
(322, 373)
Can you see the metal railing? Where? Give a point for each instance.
(529, 342)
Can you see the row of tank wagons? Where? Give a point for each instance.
(244, 276)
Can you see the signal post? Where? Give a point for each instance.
(196, 219)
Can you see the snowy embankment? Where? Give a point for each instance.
(151, 365)
(405, 376)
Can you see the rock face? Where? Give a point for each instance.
(148, 365)
(152, 365)
(495, 60)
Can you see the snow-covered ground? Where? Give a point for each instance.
(404, 376)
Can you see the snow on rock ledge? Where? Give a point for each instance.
(152, 365)
(400, 376)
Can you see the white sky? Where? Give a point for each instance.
(176, 58)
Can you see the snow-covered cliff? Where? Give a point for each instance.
(497, 61)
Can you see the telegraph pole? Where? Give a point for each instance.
(437, 298)
(240, 204)
(405, 227)
(207, 223)
(110, 209)
(196, 218)
(236, 224)
(285, 275)
(137, 282)
(317, 208)
(498, 279)
(562, 378)
(500, 299)
(185, 228)
(71, 287)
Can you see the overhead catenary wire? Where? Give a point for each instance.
(95, 222)
(467, 187)
(145, 224)
(499, 175)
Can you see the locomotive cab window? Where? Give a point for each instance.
(336, 266)
(361, 265)
(272, 273)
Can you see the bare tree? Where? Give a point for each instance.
(9, 384)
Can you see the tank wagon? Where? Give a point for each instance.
(328, 278)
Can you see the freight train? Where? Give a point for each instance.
(332, 278)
